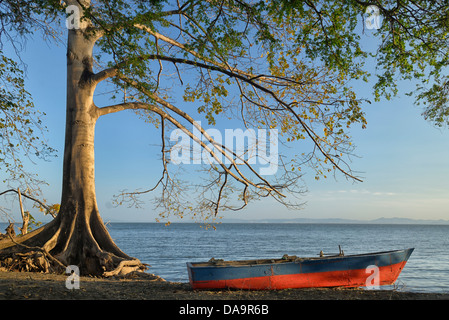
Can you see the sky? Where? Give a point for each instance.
(402, 158)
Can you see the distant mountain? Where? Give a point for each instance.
(342, 221)
(408, 221)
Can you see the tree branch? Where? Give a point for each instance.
(34, 199)
(125, 106)
(229, 154)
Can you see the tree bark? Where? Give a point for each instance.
(78, 236)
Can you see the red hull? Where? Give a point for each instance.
(347, 278)
(374, 269)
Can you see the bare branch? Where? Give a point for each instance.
(287, 106)
(32, 198)
(224, 66)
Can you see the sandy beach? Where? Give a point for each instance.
(39, 286)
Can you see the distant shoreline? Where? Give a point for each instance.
(381, 221)
(404, 221)
(385, 221)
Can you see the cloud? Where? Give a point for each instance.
(384, 194)
(363, 192)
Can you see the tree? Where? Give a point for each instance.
(277, 64)
(136, 42)
(414, 37)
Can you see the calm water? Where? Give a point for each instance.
(168, 248)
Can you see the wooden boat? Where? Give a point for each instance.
(371, 269)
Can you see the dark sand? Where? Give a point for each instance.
(26, 286)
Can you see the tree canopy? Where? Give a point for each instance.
(21, 126)
(272, 64)
(280, 67)
(230, 59)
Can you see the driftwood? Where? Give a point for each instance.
(125, 267)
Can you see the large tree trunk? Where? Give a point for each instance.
(78, 235)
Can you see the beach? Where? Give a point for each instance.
(39, 286)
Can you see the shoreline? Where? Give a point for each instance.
(40, 286)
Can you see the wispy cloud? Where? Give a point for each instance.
(363, 192)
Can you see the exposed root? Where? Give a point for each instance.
(33, 261)
(61, 243)
(125, 267)
(37, 259)
(140, 275)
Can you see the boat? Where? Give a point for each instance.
(289, 272)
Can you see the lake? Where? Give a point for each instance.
(168, 248)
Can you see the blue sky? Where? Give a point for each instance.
(402, 158)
